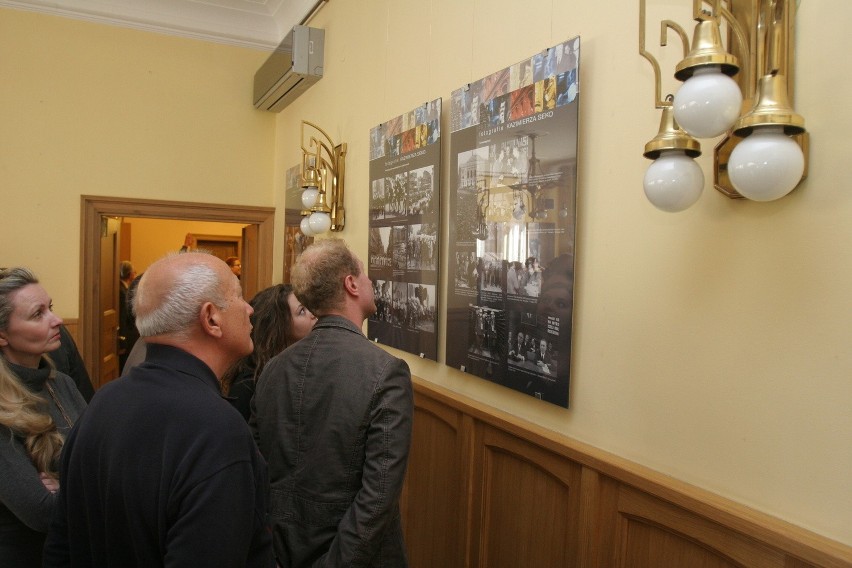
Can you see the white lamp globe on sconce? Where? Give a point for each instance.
(309, 197)
(305, 227)
(319, 222)
(768, 164)
(673, 182)
(708, 103)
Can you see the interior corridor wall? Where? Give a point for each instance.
(91, 109)
(711, 345)
(714, 345)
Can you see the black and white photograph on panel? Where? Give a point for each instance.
(381, 254)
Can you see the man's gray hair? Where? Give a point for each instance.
(178, 311)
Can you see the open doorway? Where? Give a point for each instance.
(99, 260)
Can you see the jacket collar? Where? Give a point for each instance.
(180, 360)
(337, 321)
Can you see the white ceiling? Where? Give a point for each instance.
(250, 23)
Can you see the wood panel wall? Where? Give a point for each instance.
(487, 490)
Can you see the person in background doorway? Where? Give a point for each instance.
(235, 265)
(127, 334)
(279, 320)
(38, 406)
(137, 352)
(190, 243)
(161, 470)
(332, 415)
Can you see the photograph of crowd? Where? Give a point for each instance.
(422, 246)
(483, 325)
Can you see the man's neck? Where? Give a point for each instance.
(351, 313)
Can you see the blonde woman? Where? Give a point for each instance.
(38, 405)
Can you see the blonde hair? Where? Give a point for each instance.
(21, 410)
(319, 272)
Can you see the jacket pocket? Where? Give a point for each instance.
(288, 506)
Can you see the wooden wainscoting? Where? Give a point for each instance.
(487, 490)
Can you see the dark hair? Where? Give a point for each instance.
(125, 269)
(231, 260)
(272, 327)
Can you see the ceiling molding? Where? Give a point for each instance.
(255, 24)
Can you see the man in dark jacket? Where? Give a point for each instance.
(332, 416)
(161, 470)
(68, 360)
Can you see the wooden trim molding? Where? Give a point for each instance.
(93, 208)
(504, 492)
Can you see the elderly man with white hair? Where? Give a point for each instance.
(162, 470)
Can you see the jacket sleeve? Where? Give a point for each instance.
(74, 366)
(21, 491)
(375, 509)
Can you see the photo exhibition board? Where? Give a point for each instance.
(512, 216)
(405, 165)
(294, 240)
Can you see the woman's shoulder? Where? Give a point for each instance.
(66, 389)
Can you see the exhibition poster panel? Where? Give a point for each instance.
(405, 160)
(512, 215)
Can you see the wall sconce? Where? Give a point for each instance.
(323, 165)
(743, 94)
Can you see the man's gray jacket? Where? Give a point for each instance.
(332, 415)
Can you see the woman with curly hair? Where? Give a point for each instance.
(279, 320)
(38, 406)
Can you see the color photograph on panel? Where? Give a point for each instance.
(513, 177)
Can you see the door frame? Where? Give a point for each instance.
(93, 207)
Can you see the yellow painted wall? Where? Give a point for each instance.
(150, 239)
(90, 109)
(713, 345)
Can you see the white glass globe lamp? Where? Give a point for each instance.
(766, 165)
(708, 103)
(673, 182)
(305, 227)
(319, 222)
(309, 197)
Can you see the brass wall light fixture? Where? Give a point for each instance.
(323, 165)
(742, 94)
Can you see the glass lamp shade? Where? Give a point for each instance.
(305, 227)
(309, 197)
(673, 182)
(319, 222)
(708, 103)
(766, 165)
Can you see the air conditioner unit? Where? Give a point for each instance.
(293, 67)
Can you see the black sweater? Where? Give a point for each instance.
(161, 470)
